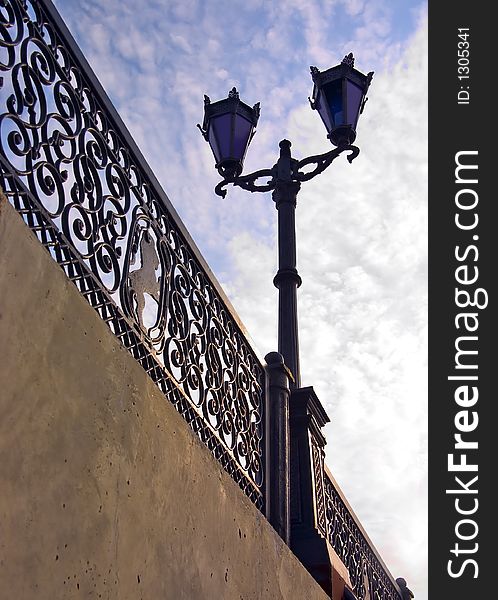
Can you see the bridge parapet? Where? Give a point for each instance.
(73, 171)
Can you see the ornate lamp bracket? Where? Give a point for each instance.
(249, 182)
(322, 161)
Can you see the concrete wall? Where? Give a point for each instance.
(104, 490)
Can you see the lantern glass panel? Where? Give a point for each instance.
(333, 93)
(323, 110)
(354, 96)
(222, 127)
(241, 135)
(213, 142)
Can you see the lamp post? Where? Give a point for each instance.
(339, 95)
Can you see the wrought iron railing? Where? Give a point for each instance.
(321, 512)
(72, 170)
(369, 575)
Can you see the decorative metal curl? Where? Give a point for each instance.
(366, 571)
(322, 161)
(248, 182)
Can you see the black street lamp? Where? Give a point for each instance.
(339, 95)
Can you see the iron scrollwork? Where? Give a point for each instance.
(66, 165)
(322, 161)
(368, 576)
(249, 182)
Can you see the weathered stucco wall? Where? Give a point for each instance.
(105, 492)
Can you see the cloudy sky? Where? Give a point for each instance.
(362, 245)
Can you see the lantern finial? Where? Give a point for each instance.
(348, 60)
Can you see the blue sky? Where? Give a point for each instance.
(362, 228)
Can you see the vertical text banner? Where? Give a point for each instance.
(463, 332)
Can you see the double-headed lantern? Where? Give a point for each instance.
(339, 95)
(228, 126)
